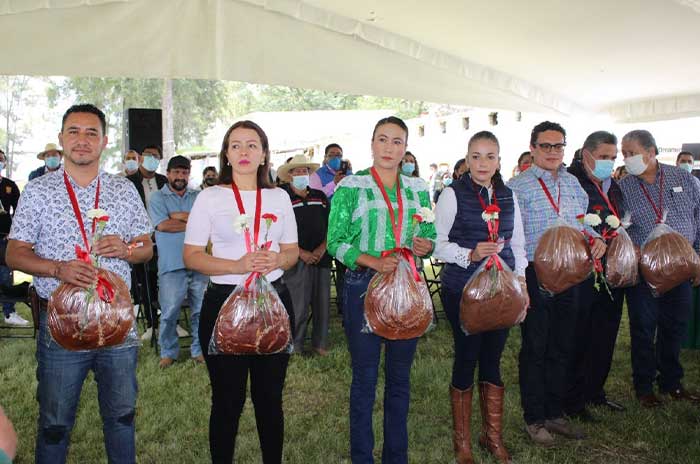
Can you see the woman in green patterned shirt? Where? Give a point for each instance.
(361, 226)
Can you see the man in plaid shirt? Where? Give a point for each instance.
(658, 325)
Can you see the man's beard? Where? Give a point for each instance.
(179, 185)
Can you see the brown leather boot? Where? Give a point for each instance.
(461, 417)
(491, 438)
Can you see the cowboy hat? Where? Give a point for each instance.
(299, 161)
(47, 148)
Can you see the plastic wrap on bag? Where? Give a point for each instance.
(622, 261)
(252, 320)
(562, 258)
(78, 324)
(492, 299)
(398, 307)
(667, 259)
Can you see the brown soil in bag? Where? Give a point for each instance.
(562, 259)
(396, 306)
(243, 328)
(77, 325)
(622, 262)
(488, 305)
(668, 261)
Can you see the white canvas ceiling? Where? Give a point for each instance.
(636, 60)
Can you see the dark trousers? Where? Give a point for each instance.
(340, 269)
(485, 348)
(228, 375)
(657, 328)
(597, 325)
(144, 286)
(365, 352)
(547, 346)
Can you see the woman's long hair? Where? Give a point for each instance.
(263, 174)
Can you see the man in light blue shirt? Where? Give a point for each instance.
(169, 209)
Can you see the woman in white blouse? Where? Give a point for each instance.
(244, 164)
(462, 243)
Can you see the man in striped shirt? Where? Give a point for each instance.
(546, 192)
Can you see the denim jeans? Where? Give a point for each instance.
(365, 352)
(61, 374)
(6, 280)
(483, 348)
(657, 328)
(174, 287)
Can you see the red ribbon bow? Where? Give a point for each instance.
(105, 290)
(494, 261)
(82, 255)
(408, 255)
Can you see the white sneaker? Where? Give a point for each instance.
(181, 332)
(147, 334)
(16, 319)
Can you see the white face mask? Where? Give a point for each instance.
(635, 164)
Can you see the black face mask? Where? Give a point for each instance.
(211, 181)
(178, 185)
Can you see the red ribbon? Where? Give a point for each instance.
(255, 275)
(78, 214)
(597, 263)
(607, 200)
(491, 225)
(256, 219)
(408, 255)
(82, 255)
(660, 210)
(549, 195)
(395, 226)
(494, 261)
(105, 290)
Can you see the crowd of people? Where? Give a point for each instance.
(325, 216)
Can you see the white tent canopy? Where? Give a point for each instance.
(635, 60)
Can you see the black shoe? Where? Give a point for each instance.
(584, 415)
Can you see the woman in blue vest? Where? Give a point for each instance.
(462, 243)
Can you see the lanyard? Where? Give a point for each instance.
(549, 195)
(241, 210)
(481, 200)
(660, 210)
(395, 226)
(607, 200)
(76, 209)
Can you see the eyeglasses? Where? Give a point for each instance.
(548, 147)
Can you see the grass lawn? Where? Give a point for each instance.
(173, 411)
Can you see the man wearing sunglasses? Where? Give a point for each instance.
(547, 192)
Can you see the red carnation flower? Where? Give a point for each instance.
(102, 219)
(598, 208)
(492, 209)
(417, 217)
(269, 216)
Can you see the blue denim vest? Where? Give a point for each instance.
(469, 228)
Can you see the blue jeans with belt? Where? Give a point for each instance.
(61, 374)
(365, 352)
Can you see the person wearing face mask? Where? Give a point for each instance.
(210, 177)
(309, 280)
(658, 324)
(409, 165)
(130, 164)
(327, 177)
(169, 210)
(685, 160)
(599, 317)
(147, 181)
(51, 156)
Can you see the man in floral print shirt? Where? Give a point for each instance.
(42, 243)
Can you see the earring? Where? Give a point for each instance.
(262, 163)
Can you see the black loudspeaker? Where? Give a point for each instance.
(142, 127)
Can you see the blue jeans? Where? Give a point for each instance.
(61, 374)
(365, 351)
(6, 280)
(657, 328)
(174, 286)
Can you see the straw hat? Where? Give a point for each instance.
(49, 147)
(299, 161)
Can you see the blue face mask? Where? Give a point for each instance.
(2, 165)
(150, 163)
(334, 163)
(408, 168)
(447, 182)
(131, 165)
(603, 169)
(300, 182)
(687, 166)
(52, 162)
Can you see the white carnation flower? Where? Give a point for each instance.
(241, 223)
(592, 220)
(96, 213)
(427, 214)
(612, 221)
